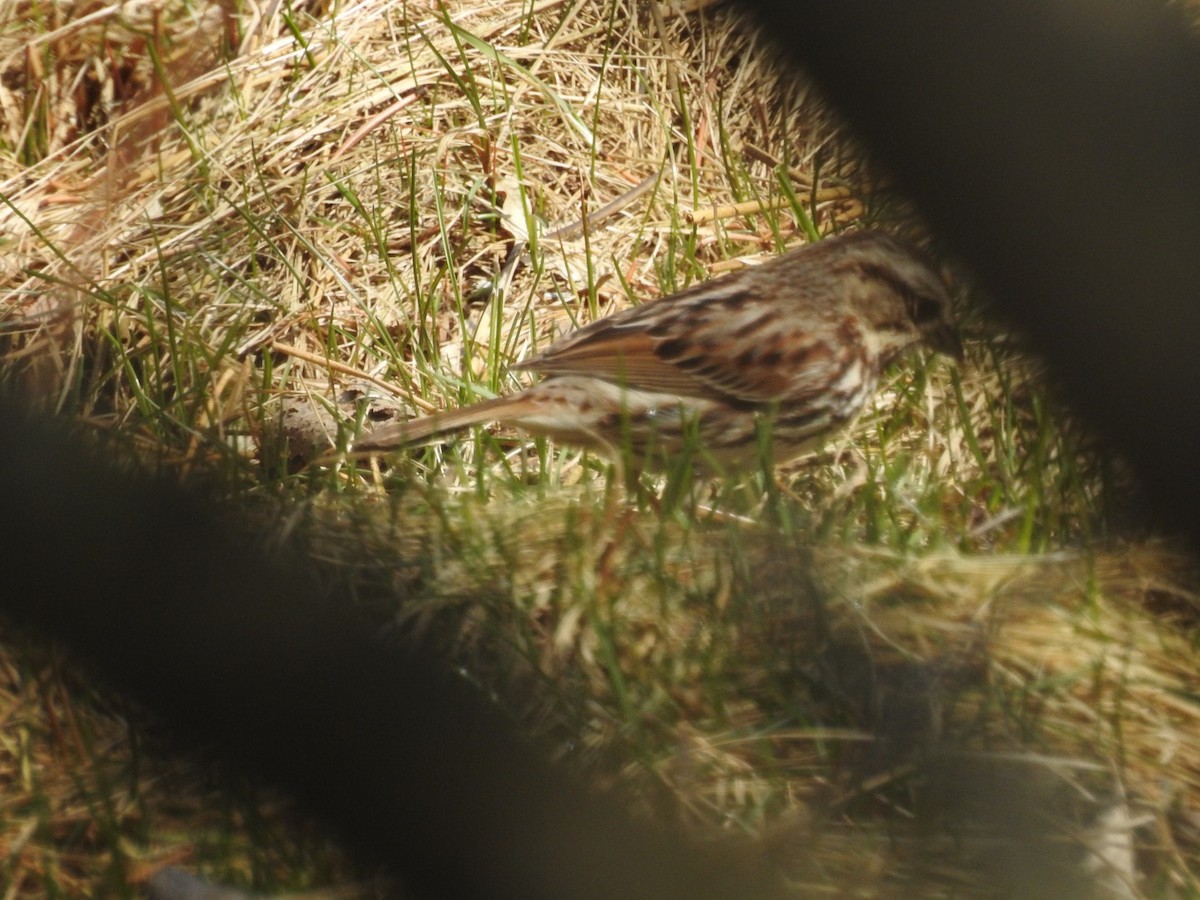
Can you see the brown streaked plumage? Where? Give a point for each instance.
(800, 340)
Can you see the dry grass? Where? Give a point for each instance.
(231, 238)
(94, 803)
(723, 675)
(356, 202)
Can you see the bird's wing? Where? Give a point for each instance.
(622, 355)
(720, 340)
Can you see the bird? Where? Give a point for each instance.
(791, 349)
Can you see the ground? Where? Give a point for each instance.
(235, 239)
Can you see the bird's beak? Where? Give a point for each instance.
(946, 340)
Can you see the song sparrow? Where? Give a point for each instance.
(798, 342)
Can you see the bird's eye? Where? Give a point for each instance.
(925, 310)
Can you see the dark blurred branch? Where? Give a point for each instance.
(179, 607)
(1053, 145)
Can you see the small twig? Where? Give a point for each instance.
(594, 219)
(374, 122)
(752, 207)
(517, 256)
(799, 176)
(332, 364)
(668, 58)
(758, 153)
